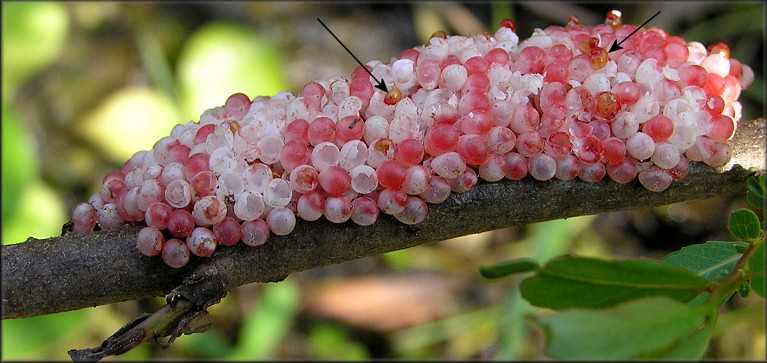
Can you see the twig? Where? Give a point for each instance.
(66, 273)
(172, 319)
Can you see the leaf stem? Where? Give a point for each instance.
(739, 274)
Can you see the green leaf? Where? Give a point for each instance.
(712, 260)
(546, 240)
(508, 268)
(624, 331)
(756, 189)
(744, 224)
(756, 264)
(567, 282)
(691, 346)
(757, 285)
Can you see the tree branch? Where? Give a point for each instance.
(66, 273)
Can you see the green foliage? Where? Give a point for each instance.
(273, 316)
(712, 260)
(744, 224)
(691, 346)
(744, 289)
(21, 337)
(545, 240)
(27, 218)
(210, 344)
(756, 188)
(128, 120)
(756, 265)
(643, 308)
(223, 58)
(508, 268)
(28, 339)
(20, 166)
(624, 331)
(582, 282)
(33, 37)
(330, 341)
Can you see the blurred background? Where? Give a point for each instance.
(86, 84)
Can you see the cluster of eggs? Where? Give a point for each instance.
(557, 105)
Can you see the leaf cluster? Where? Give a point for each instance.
(644, 308)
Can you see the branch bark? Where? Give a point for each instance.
(66, 273)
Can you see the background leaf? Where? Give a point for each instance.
(744, 224)
(691, 346)
(756, 264)
(129, 120)
(330, 341)
(34, 35)
(712, 260)
(261, 334)
(624, 331)
(756, 189)
(19, 160)
(546, 240)
(28, 219)
(508, 268)
(593, 283)
(21, 337)
(219, 60)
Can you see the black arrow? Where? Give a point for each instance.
(617, 46)
(381, 85)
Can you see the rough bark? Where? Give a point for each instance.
(66, 273)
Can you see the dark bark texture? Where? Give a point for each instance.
(76, 271)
